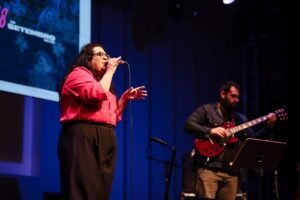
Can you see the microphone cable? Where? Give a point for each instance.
(131, 134)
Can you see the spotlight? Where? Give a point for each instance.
(176, 9)
(228, 1)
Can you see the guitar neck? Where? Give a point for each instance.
(247, 124)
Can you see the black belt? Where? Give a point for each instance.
(88, 122)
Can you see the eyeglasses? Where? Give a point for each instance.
(101, 54)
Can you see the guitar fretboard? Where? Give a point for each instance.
(247, 124)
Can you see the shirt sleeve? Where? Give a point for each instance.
(195, 123)
(119, 116)
(82, 84)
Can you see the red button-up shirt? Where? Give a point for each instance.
(83, 98)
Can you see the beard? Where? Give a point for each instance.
(228, 106)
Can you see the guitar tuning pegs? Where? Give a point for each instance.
(281, 114)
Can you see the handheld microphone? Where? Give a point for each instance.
(121, 62)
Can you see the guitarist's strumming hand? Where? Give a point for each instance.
(271, 120)
(219, 132)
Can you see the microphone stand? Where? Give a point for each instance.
(169, 167)
(169, 172)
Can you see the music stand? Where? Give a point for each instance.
(259, 154)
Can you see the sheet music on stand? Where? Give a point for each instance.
(259, 154)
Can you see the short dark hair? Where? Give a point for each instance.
(227, 85)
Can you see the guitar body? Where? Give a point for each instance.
(208, 149)
(214, 147)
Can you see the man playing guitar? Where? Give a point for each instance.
(213, 126)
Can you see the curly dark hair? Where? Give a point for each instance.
(85, 55)
(82, 59)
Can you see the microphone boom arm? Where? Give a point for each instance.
(159, 141)
(170, 167)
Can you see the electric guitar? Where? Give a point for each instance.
(212, 147)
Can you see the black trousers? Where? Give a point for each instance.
(87, 155)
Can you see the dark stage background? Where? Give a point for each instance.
(182, 55)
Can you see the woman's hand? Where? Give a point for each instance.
(112, 64)
(135, 93)
(131, 94)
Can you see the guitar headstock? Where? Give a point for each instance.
(281, 113)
